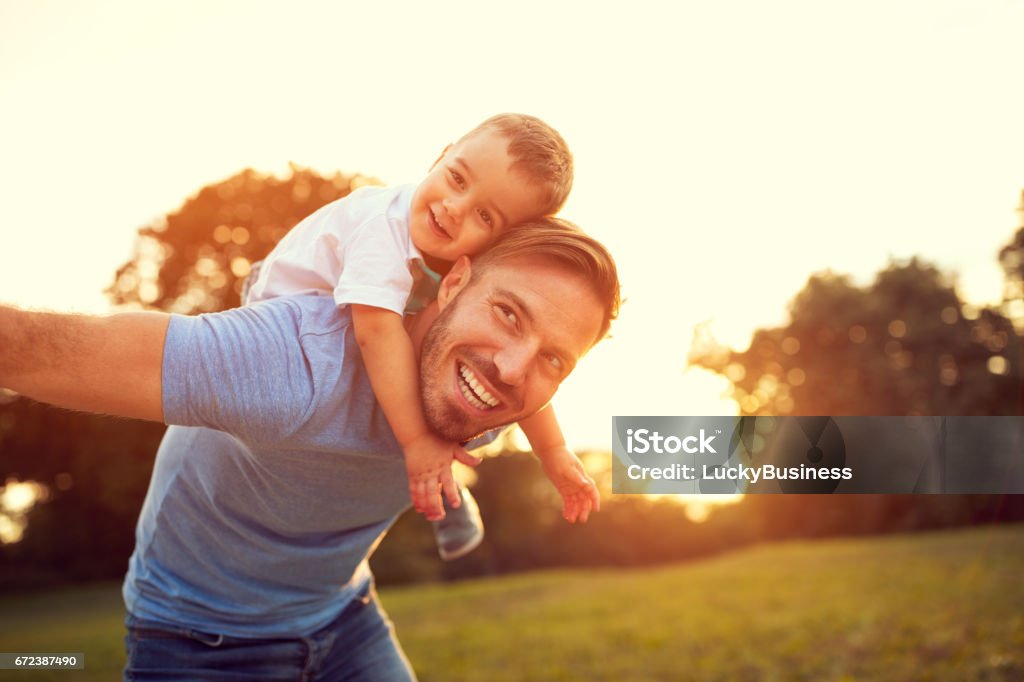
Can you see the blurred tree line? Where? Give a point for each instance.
(904, 345)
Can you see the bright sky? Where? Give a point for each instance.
(724, 150)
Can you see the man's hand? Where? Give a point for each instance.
(577, 488)
(428, 461)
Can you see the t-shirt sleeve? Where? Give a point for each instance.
(484, 439)
(241, 371)
(375, 268)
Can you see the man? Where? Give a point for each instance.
(280, 474)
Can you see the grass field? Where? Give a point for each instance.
(942, 606)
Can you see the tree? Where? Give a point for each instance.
(195, 259)
(1011, 258)
(905, 345)
(95, 470)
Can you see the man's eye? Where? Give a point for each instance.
(458, 179)
(555, 362)
(507, 313)
(486, 217)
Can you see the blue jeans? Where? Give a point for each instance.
(359, 645)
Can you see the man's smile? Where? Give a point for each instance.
(474, 391)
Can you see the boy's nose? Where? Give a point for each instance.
(454, 208)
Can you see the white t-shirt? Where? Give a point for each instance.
(358, 247)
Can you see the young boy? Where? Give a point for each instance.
(372, 247)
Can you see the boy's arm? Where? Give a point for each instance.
(106, 364)
(391, 364)
(564, 469)
(543, 431)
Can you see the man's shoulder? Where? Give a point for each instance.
(261, 372)
(308, 314)
(271, 321)
(324, 361)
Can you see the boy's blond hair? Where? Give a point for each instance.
(539, 151)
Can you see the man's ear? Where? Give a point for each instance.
(454, 282)
(438, 160)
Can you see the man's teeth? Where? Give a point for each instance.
(475, 393)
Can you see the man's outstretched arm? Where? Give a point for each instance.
(110, 364)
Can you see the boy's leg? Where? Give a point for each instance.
(461, 530)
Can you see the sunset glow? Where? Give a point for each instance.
(724, 151)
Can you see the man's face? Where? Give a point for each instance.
(502, 344)
(469, 198)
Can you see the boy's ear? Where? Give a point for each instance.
(438, 160)
(454, 282)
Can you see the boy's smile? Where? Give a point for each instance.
(471, 195)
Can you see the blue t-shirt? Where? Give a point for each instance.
(277, 479)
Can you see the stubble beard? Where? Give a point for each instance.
(443, 418)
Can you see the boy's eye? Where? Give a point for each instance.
(486, 217)
(458, 179)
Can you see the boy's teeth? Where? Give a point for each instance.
(439, 225)
(474, 391)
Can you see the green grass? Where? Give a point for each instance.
(87, 620)
(942, 606)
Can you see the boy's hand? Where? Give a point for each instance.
(578, 490)
(428, 462)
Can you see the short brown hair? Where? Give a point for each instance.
(566, 244)
(539, 151)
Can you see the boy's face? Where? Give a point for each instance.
(470, 196)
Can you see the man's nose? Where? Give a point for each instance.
(513, 362)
